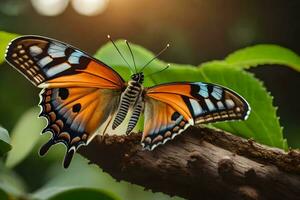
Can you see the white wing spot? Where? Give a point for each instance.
(35, 50)
(229, 103)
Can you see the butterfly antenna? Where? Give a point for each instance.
(168, 65)
(157, 55)
(108, 36)
(131, 54)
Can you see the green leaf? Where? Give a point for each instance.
(82, 194)
(4, 141)
(5, 39)
(264, 54)
(24, 136)
(262, 125)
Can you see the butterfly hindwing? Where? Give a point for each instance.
(162, 123)
(194, 102)
(75, 115)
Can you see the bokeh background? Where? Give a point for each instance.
(198, 31)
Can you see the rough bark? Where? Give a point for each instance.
(201, 163)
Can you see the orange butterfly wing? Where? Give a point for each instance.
(76, 115)
(162, 123)
(80, 95)
(171, 108)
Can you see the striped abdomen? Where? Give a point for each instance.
(128, 98)
(135, 115)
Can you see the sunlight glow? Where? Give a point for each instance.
(89, 7)
(50, 7)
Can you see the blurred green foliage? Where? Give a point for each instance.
(25, 175)
(5, 145)
(24, 136)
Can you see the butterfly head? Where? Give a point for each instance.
(138, 77)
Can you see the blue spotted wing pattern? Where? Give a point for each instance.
(42, 60)
(171, 108)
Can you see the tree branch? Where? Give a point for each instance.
(201, 163)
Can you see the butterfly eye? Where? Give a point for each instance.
(142, 76)
(135, 77)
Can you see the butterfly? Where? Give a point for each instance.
(82, 97)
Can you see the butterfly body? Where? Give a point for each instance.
(130, 98)
(82, 97)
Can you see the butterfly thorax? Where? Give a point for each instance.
(131, 99)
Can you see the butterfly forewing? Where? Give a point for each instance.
(213, 103)
(41, 60)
